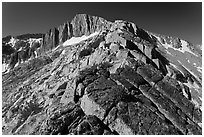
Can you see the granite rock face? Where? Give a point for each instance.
(81, 24)
(115, 79)
(50, 40)
(84, 24)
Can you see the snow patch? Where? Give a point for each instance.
(75, 40)
(31, 40)
(36, 54)
(13, 41)
(199, 69)
(192, 85)
(199, 46)
(63, 52)
(4, 67)
(16, 64)
(20, 49)
(185, 48)
(190, 71)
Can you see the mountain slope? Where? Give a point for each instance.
(18, 49)
(99, 77)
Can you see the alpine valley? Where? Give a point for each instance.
(96, 77)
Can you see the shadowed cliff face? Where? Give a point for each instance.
(96, 77)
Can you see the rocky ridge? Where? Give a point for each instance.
(18, 49)
(122, 80)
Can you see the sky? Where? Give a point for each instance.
(183, 20)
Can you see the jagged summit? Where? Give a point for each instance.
(93, 76)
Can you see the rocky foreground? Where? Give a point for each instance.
(120, 80)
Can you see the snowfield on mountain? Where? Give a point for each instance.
(76, 40)
(96, 77)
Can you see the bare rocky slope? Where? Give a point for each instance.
(105, 78)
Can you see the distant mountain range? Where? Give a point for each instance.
(93, 76)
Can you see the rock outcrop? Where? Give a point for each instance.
(20, 48)
(50, 40)
(122, 80)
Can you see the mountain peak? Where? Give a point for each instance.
(93, 76)
(84, 24)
